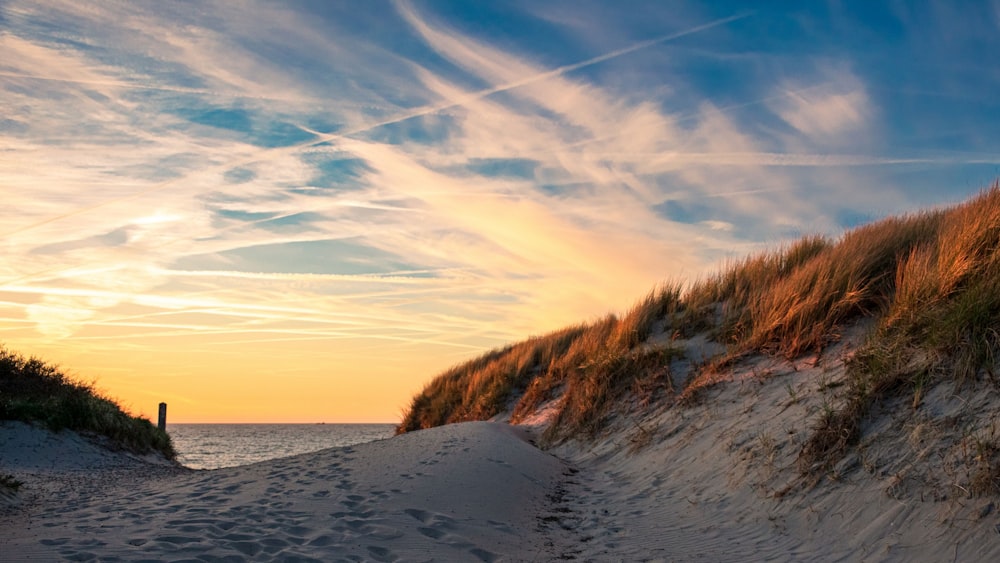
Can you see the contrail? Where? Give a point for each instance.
(771, 159)
(427, 110)
(486, 92)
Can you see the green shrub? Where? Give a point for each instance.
(34, 391)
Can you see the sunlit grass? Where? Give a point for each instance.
(588, 363)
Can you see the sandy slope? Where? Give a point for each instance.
(718, 481)
(469, 492)
(61, 467)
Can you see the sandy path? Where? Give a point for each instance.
(466, 492)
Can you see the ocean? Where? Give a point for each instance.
(212, 446)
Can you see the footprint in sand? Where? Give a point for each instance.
(356, 524)
(79, 556)
(238, 537)
(247, 548)
(299, 531)
(178, 540)
(432, 533)
(484, 555)
(500, 526)
(190, 521)
(381, 553)
(417, 514)
(323, 541)
(274, 544)
(58, 541)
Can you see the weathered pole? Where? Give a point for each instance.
(162, 425)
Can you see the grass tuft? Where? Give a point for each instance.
(589, 365)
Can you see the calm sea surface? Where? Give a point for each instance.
(211, 446)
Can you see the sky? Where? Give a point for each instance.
(302, 211)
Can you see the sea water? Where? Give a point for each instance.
(212, 446)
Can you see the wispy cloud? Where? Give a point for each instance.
(834, 111)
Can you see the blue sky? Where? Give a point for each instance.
(402, 185)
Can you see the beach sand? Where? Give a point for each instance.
(712, 481)
(468, 492)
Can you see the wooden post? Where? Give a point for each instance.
(163, 417)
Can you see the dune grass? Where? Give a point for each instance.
(34, 391)
(940, 322)
(929, 283)
(588, 364)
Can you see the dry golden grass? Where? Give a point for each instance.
(789, 301)
(588, 362)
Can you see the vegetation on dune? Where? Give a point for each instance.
(590, 366)
(37, 392)
(940, 320)
(929, 283)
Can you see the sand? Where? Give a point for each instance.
(712, 481)
(469, 492)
